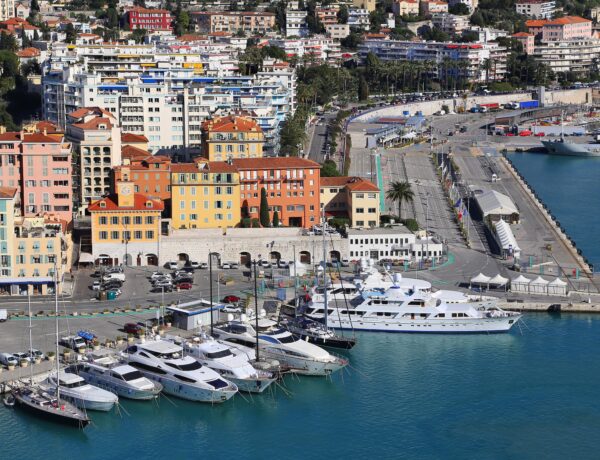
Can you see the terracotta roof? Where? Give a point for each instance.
(95, 123)
(149, 10)
(274, 163)
(536, 22)
(136, 138)
(110, 204)
(134, 153)
(7, 192)
(522, 34)
(353, 183)
(48, 126)
(567, 20)
(192, 38)
(28, 53)
(29, 138)
(212, 166)
(85, 111)
(231, 123)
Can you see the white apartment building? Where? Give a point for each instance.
(359, 18)
(295, 23)
(577, 55)
(7, 9)
(450, 23)
(474, 55)
(536, 9)
(337, 31)
(318, 47)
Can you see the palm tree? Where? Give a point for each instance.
(400, 192)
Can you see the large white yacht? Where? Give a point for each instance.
(112, 374)
(74, 389)
(406, 306)
(235, 367)
(163, 361)
(277, 343)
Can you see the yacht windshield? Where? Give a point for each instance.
(133, 375)
(219, 354)
(195, 365)
(287, 339)
(73, 384)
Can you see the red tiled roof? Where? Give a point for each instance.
(133, 153)
(47, 126)
(28, 53)
(94, 123)
(85, 111)
(231, 123)
(353, 183)
(29, 138)
(567, 20)
(274, 163)
(522, 34)
(7, 192)
(536, 22)
(149, 10)
(213, 166)
(138, 205)
(136, 138)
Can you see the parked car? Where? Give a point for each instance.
(117, 269)
(234, 265)
(172, 265)
(33, 354)
(114, 276)
(112, 284)
(163, 288)
(345, 262)
(117, 291)
(159, 275)
(283, 264)
(225, 266)
(184, 279)
(264, 264)
(188, 270)
(96, 285)
(133, 328)
(8, 359)
(165, 283)
(22, 356)
(203, 265)
(231, 299)
(184, 286)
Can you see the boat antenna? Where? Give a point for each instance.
(325, 304)
(255, 263)
(56, 324)
(30, 338)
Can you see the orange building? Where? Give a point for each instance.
(292, 186)
(150, 174)
(232, 137)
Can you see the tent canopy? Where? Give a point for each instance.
(539, 280)
(506, 236)
(557, 282)
(521, 279)
(498, 280)
(480, 279)
(493, 202)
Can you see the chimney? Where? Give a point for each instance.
(22, 135)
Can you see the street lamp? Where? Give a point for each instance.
(270, 245)
(210, 289)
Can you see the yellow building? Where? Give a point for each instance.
(230, 137)
(368, 5)
(126, 227)
(205, 195)
(30, 249)
(352, 198)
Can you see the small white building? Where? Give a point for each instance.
(359, 18)
(295, 23)
(536, 9)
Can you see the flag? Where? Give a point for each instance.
(460, 215)
(457, 204)
(465, 213)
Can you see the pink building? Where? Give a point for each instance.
(38, 165)
(566, 28)
(527, 40)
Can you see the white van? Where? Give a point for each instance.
(8, 359)
(114, 276)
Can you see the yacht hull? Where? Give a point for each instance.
(251, 385)
(50, 415)
(124, 391)
(572, 149)
(299, 365)
(189, 392)
(101, 406)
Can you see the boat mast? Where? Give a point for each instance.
(30, 338)
(56, 323)
(324, 268)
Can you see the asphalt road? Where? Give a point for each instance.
(319, 138)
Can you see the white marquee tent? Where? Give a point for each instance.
(557, 287)
(520, 284)
(538, 286)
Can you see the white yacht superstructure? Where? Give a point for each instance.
(163, 361)
(74, 389)
(277, 343)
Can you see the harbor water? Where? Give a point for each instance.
(570, 187)
(532, 393)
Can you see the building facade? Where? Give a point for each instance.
(149, 19)
(225, 138)
(337, 31)
(205, 195)
(450, 23)
(126, 228)
(578, 56)
(249, 22)
(150, 174)
(536, 9)
(527, 40)
(405, 8)
(567, 28)
(352, 198)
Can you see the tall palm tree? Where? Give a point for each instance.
(400, 192)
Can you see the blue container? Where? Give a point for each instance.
(528, 104)
(406, 113)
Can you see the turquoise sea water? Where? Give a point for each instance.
(531, 395)
(570, 187)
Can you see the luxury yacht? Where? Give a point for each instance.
(110, 373)
(162, 361)
(233, 366)
(74, 389)
(277, 343)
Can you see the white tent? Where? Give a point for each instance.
(520, 284)
(557, 287)
(538, 286)
(507, 240)
(498, 280)
(481, 279)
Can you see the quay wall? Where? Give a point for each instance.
(579, 307)
(560, 233)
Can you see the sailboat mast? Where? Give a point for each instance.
(325, 311)
(30, 338)
(56, 324)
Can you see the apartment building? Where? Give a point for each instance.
(224, 138)
(352, 198)
(576, 55)
(38, 165)
(429, 7)
(527, 40)
(536, 9)
(443, 54)
(567, 28)
(291, 184)
(369, 5)
(450, 23)
(295, 23)
(8, 210)
(359, 18)
(337, 31)
(126, 227)
(149, 19)
(405, 8)
(7, 9)
(249, 22)
(150, 174)
(96, 137)
(205, 194)
(327, 15)
(318, 48)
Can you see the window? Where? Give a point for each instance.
(137, 220)
(372, 210)
(149, 220)
(126, 220)
(149, 234)
(114, 235)
(103, 235)
(137, 235)
(102, 220)
(360, 210)
(114, 220)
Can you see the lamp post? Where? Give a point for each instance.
(126, 241)
(210, 290)
(270, 245)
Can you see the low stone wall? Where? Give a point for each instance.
(580, 307)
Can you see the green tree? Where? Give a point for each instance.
(8, 42)
(34, 6)
(400, 192)
(352, 41)
(329, 169)
(459, 9)
(363, 89)
(112, 18)
(70, 33)
(276, 219)
(342, 15)
(265, 220)
(138, 35)
(25, 42)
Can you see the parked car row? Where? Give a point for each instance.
(110, 281)
(167, 282)
(14, 359)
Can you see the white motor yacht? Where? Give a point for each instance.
(163, 361)
(233, 366)
(112, 374)
(277, 343)
(76, 390)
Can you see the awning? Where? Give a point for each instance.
(480, 279)
(498, 280)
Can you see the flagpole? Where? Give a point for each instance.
(468, 222)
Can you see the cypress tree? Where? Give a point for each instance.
(276, 219)
(265, 221)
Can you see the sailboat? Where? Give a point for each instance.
(34, 399)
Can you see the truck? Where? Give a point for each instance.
(73, 342)
(529, 104)
(491, 106)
